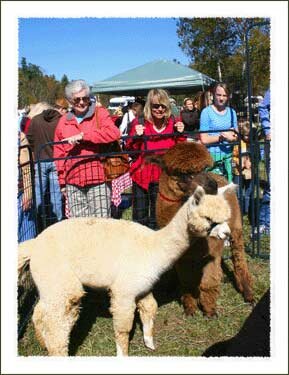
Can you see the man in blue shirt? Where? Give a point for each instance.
(264, 113)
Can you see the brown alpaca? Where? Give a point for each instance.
(199, 269)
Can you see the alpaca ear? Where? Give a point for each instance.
(227, 188)
(195, 198)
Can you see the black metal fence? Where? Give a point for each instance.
(130, 201)
(125, 200)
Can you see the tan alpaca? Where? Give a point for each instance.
(124, 257)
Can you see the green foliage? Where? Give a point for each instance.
(34, 86)
(216, 47)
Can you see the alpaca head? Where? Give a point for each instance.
(183, 168)
(188, 158)
(208, 214)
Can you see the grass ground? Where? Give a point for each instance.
(175, 334)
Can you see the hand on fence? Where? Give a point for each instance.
(74, 139)
(63, 190)
(268, 137)
(180, 127)
(26, 201)
(228, 136)
(139, 129)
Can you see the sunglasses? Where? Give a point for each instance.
(85, 99)
(157, 106)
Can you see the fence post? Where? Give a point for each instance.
(252, 140)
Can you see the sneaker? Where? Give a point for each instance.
(227, 242)
(262, 231)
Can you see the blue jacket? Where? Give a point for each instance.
(264, 113)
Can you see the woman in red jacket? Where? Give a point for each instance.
(151, 136)
(83, 179)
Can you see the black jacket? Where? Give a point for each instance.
(191, 119)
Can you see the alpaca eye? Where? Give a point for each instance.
(208, 220)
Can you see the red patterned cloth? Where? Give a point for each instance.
(118, 186)
(66, 208)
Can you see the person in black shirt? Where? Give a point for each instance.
(190, 115)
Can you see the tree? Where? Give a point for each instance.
(216, 47)
(64, 80)
(207, 41)
(34, 86)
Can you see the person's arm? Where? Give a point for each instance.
(123, 125)
(105, 132)
(179, 127)
(59, 152)
(264, 113)
(231, 136)
(136, 130)
(26, 173)
(29, 135)
(205, 138)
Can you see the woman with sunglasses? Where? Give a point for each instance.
(152, 132)
(82, 179)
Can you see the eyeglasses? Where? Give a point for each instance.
(157, 106)
(85, 99)
(61, 108)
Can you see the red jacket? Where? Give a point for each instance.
(143, 173)
(83, 171)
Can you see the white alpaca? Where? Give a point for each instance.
(124, 257)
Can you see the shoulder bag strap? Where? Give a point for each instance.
(141, 119)
(231, 112)
(96, 117)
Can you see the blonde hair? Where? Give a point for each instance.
(163, 98)
(61, 103)
(36, 109)
(244, 127)
(206, 99)
(118, 111)
(225, 87)
(186, 100)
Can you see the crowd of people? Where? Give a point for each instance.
(66, 137)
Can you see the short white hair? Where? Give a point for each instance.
(74, 87)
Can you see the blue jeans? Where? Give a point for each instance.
(246, 193)
(144, 204)
(49, 180)
(26, 222)
(264, 213)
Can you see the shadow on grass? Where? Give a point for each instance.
(96, 304)
(229, 273)
(253, 338)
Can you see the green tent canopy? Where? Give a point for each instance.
(174, 77)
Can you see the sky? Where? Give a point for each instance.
(97, 48)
